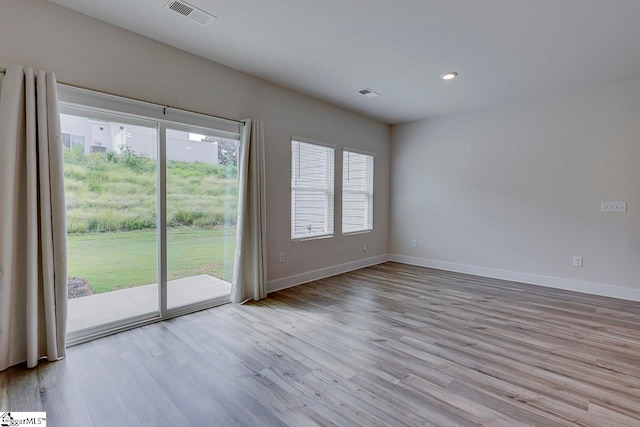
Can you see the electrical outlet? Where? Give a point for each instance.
(281, 257)
(577, 261)
(613, 207)
(364, 247)
(414, 243)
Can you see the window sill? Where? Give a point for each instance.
(304, 239)
(353, 233)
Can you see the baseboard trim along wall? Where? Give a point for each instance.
(299, 279)
(533, 279)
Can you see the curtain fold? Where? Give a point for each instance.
(250, 265)
(33, 276)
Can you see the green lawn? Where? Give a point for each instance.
(111, 261)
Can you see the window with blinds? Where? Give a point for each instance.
(311, 190)
(357, 192)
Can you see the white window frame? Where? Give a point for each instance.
(369, 209)
(330, 195)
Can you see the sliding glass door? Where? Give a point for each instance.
(111, 197)
(151, 213)
(201, 212)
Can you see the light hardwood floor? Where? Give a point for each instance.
(387, 345)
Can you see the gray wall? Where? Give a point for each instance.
(47, 36)
(519, 187)
(516, 188)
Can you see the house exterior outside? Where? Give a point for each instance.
(95, 136)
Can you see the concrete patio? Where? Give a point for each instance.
(107, 307)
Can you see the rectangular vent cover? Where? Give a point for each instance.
(191, 12)
(368, 93)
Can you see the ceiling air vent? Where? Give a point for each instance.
(368, 93)
(191, 12)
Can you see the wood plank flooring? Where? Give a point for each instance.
(388, 345)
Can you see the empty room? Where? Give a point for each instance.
(319, 213)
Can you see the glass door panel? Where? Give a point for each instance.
(201, 212)
(111, 198)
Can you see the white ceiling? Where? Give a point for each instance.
(504, 50)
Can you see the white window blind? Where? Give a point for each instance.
(357, 192)
(311, 190)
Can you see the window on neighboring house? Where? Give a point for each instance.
(312, 190)
(77, 141)
(357, 192)
(70, 140)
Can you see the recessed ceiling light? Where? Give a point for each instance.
(448, 76)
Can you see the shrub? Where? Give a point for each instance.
(184, 218)
(111, 157)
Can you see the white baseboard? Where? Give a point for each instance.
(533, 279)
(299, 279)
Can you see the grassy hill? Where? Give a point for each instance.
(109, 192)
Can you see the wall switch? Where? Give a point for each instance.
(613, 207)
(414, 243)
(577, 261)
(281, 256)
(364, 247)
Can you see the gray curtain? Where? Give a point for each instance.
(250, 267)
(33, 276)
